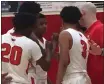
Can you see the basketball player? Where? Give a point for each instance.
(40, 30)
(41, 75)
(18, 50)
(5, 79)
(73, 50)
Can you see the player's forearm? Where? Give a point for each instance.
(43, 63)
(49, 55)
(61, 73)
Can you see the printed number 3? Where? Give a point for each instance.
(84, 48)
(15, 54)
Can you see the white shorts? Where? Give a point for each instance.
(77, 78)
(17, 83)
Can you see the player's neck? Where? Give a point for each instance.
(39, 36)
(66, 26)
(21, 33)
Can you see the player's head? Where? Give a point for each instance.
(88, 11)
(41, 25)
(24, 23)
(30, 7)
(70, 15)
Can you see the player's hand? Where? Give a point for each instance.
(54, 40)
(5, 79)
(94, 48)
(49, 45)
(55, 37)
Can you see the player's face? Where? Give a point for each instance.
(41, 25)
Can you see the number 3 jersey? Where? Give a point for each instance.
(78, 53)
(17, 52)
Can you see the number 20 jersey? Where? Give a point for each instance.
(16, 53)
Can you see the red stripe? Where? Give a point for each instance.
(32, 80)
(27, 68)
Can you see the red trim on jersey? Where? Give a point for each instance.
(32, 80)
(27, 68)
(16, 34)
(41, 40)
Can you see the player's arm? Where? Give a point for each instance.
(65, 42)
(47, 54)
(5, 79)
(39, 58)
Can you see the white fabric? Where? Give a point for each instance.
(77, 62)
(77, 78)
(40, 77)
(30, 50)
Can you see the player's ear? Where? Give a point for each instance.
(83, 12)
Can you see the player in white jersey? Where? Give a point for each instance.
(16, 53)
(18, 50)
(73, 50)
(41, 24)
(41, 75)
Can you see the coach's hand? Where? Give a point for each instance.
(94, 48)
(5, 79)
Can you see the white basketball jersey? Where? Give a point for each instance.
(16, 54)
(78, 53)
(41, 75)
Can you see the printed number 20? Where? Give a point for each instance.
(15, 54)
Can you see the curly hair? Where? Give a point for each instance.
(70, 14)
(30, 7)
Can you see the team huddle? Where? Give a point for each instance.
(26, 54)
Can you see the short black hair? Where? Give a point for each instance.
(41, 15)
(22, 21)
(70, 14)
(30, 7)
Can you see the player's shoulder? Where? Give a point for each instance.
(5, 35)
(71, 30)
(30, 42)
(64, 34)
